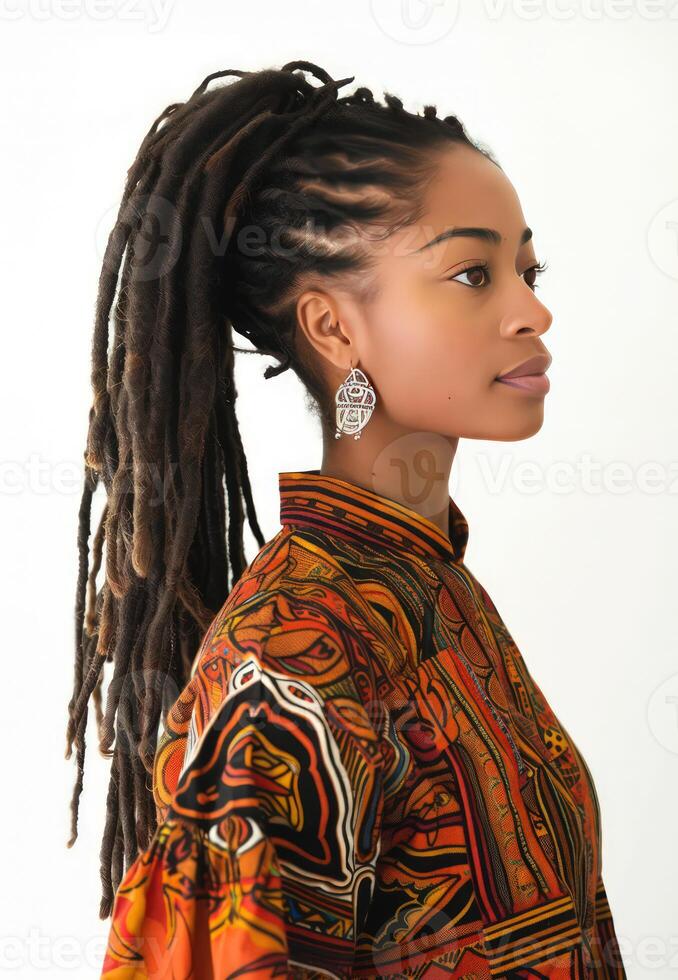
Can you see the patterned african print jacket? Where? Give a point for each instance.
(362, 778)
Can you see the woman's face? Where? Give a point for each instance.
(442, 329)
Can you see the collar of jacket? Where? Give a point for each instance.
(309, 499)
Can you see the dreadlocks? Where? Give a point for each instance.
(269, 152)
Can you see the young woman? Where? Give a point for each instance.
(353, 770)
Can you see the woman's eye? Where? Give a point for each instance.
(531, 274)
(476, 272)
(478, 276)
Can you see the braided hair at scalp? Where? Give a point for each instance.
(309, 176)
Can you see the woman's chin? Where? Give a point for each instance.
(513, 429)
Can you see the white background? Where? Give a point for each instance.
(577, 100)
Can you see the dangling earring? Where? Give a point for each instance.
(355, 400)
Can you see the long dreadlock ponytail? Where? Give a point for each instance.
(300, 166)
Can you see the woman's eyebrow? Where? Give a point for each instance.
(485, 234)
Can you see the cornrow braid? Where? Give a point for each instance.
(314, 175)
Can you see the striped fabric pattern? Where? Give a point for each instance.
(362, 778)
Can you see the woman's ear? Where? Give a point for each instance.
(323, 331)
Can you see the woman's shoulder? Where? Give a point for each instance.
(293, 561)
(294, 591)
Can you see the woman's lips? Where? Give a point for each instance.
(536, 384)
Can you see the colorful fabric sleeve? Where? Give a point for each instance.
(263, 864)
(606, 954)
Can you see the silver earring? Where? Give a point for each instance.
(355, 400)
